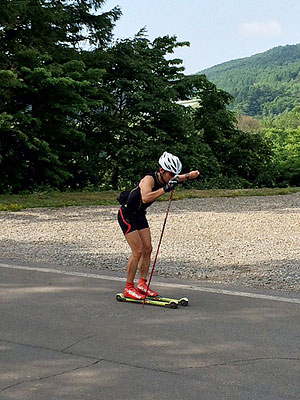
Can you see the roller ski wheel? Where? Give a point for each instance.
(173, 305)
(119, 297)
(184, 301)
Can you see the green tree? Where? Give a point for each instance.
(141, 118)
(283, 132)
(241, 156)
(47, 88)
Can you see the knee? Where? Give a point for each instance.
(138, 252)
(147, 250)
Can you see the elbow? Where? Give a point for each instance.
(145, 199)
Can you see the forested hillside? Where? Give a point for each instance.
(265, 84)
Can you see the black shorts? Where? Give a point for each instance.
(131, 222)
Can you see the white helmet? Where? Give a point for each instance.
(170, 163)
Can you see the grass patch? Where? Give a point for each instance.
(85, 199)
(16, 202)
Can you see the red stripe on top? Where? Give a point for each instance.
(125, 222)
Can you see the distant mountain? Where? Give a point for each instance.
(265, 84)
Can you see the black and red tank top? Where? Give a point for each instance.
(134, 201)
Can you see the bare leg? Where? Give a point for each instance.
(144, 261)
(136, 245)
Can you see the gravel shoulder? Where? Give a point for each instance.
(246, 241)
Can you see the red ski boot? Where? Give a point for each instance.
(132, 293)
(141, 287)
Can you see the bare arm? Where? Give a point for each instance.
(147, 183)
(146, 186)
(188, 176)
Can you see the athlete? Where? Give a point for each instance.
(133, 222)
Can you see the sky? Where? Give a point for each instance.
(217, 30)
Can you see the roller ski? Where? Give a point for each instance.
(172, 303)
(142, 292)
(143, 289)
(183, 301)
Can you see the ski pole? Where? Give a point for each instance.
(161, 235)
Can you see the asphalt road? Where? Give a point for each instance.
(66, 337)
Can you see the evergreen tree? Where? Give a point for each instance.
(46, 87)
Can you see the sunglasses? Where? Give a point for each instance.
(171, 174)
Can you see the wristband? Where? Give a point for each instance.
(187, 175)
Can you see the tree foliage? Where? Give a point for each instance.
(72, 117)
(283, 133)
(247, 124)
(47, 85)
